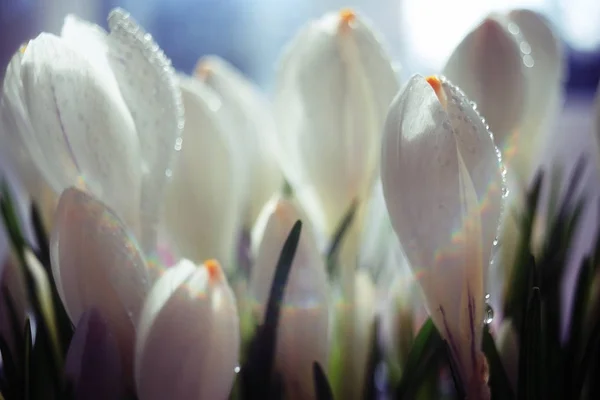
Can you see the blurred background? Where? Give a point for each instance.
(251, 33)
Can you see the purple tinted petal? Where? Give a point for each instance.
(93, 365)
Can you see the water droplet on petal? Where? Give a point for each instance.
(488, 315)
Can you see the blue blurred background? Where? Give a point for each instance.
(251, 33)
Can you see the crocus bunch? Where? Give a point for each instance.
(205, 244)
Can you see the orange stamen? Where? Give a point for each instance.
(214, 269)
(203, 70)
(347, 16)
(436, 85)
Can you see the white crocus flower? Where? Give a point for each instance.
(302, 336)
(544, 61)
(202, 209)
(488, 66)
(188, 336)
(248, 114)
(98, 110)
(96, 263)
(442, 183)
(334, 86)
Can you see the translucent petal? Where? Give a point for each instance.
(431, 147)
(249, 116)
(487, 66)
(202, 210)
(334, 86)
(147, 83)
(97, 263)
(82, 131)
(182, 357)
(545, 69)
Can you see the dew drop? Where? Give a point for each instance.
(236, 369)
(488, 316)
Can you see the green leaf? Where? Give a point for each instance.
(518, 291)
(27, 358)
(575, 337)
(338, 237)
(257, 378)
(427, 348)
(499, 383)
(530, 355)
(65, 328)
(322, 388)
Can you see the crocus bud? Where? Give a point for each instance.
(98, 111)
(442, 183)
(302, 336)
(188, 336)
(249, 116)
(487, 65)
(334, 86)
(96, 263)
(544, 62)
(202, 207)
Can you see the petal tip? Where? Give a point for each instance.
(436, 85)
(214, 270)
(347, 18)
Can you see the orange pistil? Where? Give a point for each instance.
(203, 70)
(214, 269)
(436, 85)
(347, 18)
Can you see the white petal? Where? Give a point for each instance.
(430, 150)
(248, 113)
(149, 88)
(304, 322)
(487, 65)
(97, 263)
(182, 357)
(202, 208)
(545, 70)
(377, 232)
(82, 131)
(334, 86)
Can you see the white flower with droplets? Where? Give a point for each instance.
(443, 184)
(334, 86)
(188, 336)
(98, 110)
(248, 115)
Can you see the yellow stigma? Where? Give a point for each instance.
(436, 85)
(214, 269)
(347, 15)
(23, 48)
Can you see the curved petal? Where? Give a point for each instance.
(97, 263)
(149, 88)
(202, 210)
(433, 135)
(197, 362)
(334, 86)
(249, 116)
(487, 66)
(545, 70)
(82, 131)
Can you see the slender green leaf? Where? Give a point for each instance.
(427, 348)
(257, 373)
(322, 388)
(499, 383)
(530, 356)
(14, 320)
(373, 361)
(338, 237)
